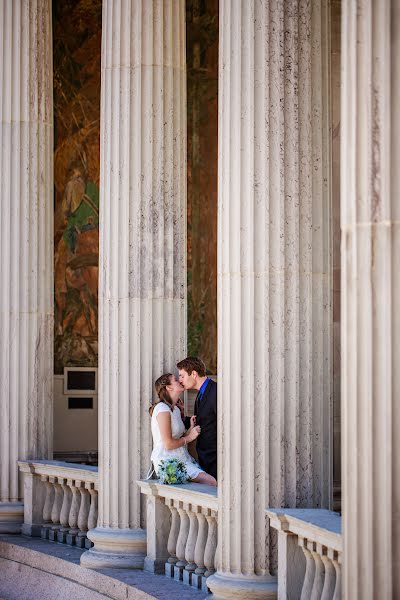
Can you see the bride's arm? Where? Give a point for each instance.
(170, 443)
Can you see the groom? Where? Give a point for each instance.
(192, 375)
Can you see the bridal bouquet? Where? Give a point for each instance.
(172, 471)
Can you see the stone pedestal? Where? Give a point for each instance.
(274, 290)
(370, 192)
(34, 499)
(142, 281)
(26, 246)
(158, 523)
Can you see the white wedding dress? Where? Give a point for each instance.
(177, 427)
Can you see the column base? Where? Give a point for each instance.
(11, 517)
(115, 549)
(254, 587)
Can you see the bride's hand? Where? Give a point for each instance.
(193, 433)
(193, 421)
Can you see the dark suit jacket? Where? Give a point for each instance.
(206, 416)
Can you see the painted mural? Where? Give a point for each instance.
(77, 64)
(77, 50)
(202, 117)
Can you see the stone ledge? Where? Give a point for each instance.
(194, 493)
(55, 468)
(62, 562)
(319, 524)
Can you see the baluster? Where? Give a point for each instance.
(56, 510)
(65, 508)
(83, 515)
(211, 546)
(310, 571)
(337, 564)
(74, 512)
(316, 551)
(172, 538)
(92, 518)
(190, 545)
(47, 508)
(181, 542)
(200, 547)
(330, 577)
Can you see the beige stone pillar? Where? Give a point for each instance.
(274, 290)
(142, 282)
(26, 245)
(370, 196)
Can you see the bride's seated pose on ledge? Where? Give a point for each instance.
(169, 437)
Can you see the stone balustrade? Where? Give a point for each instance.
(309, 553)
(181, 531)
(60, 501)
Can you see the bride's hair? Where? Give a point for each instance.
(162, 392)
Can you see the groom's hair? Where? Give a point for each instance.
(192, 363)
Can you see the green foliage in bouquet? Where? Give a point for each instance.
(172, 471)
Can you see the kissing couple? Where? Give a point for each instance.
(172, 432)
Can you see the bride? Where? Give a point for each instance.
(169, 437)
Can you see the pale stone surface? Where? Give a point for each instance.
(21, 582)
(62, 562)
(158, 525)
(201, 540)
(93, 512)
(142, 278)
(274, 288)
(26, 242)
(35, 492)
(370, 222)
(115, 548)
(211, 543)
(291, 566)
(309, 553)
(186, 534)
(59, 508)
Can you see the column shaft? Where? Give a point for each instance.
(274, 307)
(142, 283)
(26, 245)
(370, 189)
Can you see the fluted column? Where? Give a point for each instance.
(274, 308)
(142, 282)
(26, 245)
(370, 209)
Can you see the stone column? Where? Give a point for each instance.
(274, 289)
(26, 245)
(370, 192)
(142, 283)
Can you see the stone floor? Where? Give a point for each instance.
(35, 569)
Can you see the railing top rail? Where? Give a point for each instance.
(193, 493)
(316, 524)
(56, 468)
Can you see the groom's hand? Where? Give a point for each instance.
(193, 421)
